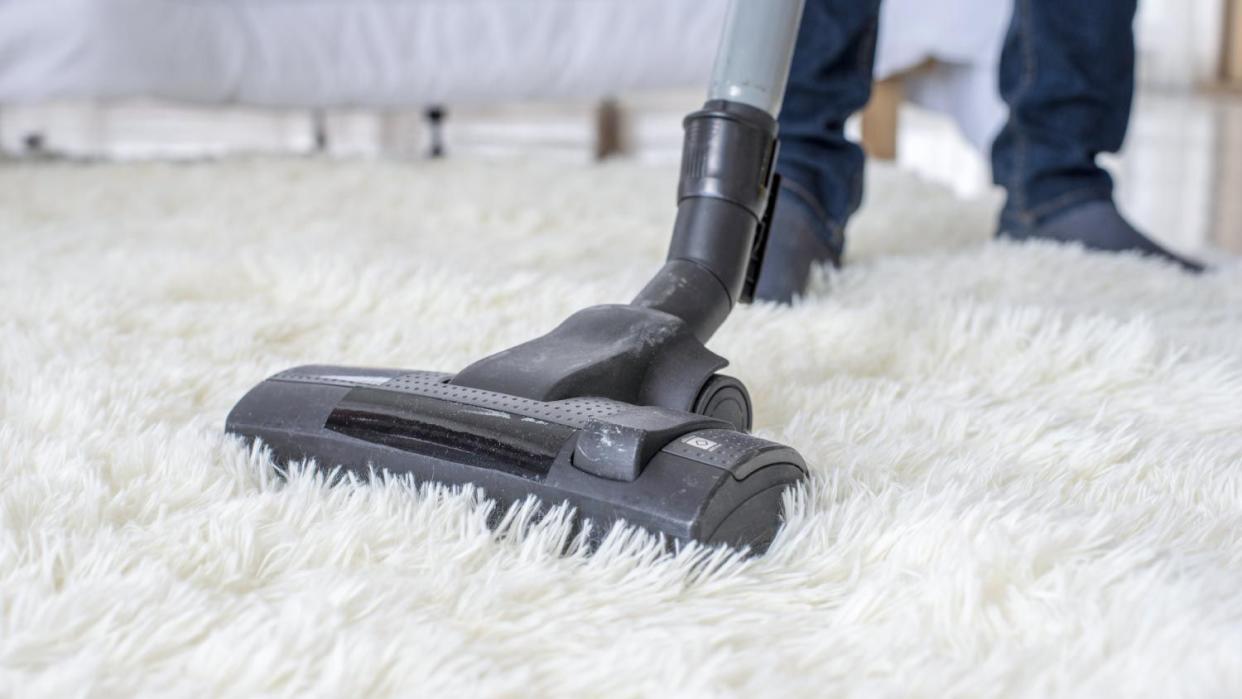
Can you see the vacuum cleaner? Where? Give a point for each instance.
(620, 410)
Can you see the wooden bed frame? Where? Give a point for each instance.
(1231, 45)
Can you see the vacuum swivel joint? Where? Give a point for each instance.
(724, 202)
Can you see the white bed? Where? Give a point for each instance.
(394, 53)
(351, 52)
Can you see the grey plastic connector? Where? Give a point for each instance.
(727, 154)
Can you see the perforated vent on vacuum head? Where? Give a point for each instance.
(574, 412)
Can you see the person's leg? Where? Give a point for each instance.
(1067, 74)
(821, 170)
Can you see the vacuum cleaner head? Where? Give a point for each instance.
(684, 475)
(618, 411)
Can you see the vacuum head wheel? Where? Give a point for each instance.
(725, 398)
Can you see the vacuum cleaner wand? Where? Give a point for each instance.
(727, 188)
(618, 411)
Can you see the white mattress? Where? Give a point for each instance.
(389, 53)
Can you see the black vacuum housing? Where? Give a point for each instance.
(684, 475)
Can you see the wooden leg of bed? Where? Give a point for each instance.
(1231, 47)
(319, 130)
(608, 129)
(435, 128)
(879, 119)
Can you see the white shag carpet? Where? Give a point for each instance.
(1027, 460)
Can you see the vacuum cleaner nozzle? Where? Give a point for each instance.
(684, 475)
(618, 410)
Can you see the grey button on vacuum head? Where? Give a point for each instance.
(618, 447)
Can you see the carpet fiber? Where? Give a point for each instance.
(1026, 459)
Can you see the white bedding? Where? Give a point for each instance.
(964, 37)
(387, 53)
(351, 52)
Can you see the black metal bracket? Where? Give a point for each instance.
(760, 248)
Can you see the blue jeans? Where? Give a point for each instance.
(1066, 73)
